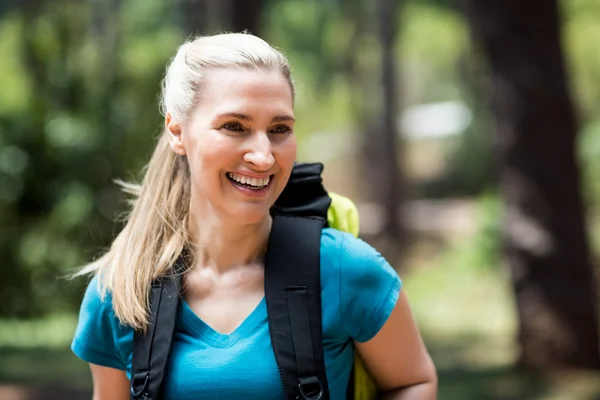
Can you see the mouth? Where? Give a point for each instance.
(246, 183)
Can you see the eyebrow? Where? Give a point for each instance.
(244, 117)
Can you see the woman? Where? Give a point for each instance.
(224, 157)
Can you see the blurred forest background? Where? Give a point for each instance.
(468, 133)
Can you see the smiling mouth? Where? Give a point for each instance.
(249, 183)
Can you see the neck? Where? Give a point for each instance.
(222, 244)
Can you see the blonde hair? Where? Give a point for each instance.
(156, 230)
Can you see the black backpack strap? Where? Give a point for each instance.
(293, 296)
(151, 350)
(293, 283)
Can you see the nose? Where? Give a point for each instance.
(259, 152)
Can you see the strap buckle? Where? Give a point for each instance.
(310, 388)
(139, 384)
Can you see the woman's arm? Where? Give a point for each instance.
(397, 358)
(109, 383)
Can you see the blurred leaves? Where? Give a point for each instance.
(73, 116)
(78, 108)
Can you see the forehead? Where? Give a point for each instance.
(242, 87)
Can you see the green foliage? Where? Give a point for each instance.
(469, 163)
(51, 332)
(78, 108)
(484, 250)
(314, 36)
(431, 45)
(589, 151)
(581, 26)
(77, 111)
(439, 65)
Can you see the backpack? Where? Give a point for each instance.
(292, 294)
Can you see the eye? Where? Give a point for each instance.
(281, 129)
(233, 126)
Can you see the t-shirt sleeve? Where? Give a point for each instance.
(99, 336)
(369, 289)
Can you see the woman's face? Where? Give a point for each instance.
(239, 142)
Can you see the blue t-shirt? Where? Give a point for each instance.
(359, 289)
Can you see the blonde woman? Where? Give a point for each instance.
(225, 156)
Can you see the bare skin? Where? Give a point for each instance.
(397, 358)
(224, 301)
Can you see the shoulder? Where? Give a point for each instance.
(94, 297)
(98, 302)
(366, 284)
(350, 252)
(99, 337)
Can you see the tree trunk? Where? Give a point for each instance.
(543, 230)
(203, 17)
(382, 136)
(245, 15)
(213, 16)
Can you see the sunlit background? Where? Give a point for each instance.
(434, 116)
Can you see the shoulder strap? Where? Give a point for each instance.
(151, 349)
(293, 291)
(293, 296)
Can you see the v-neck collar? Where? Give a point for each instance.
(218, 339)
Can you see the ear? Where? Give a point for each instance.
(175, 138)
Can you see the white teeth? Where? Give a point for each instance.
(256, 182)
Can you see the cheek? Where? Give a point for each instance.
(202, 161)
(287, 152)
(204, 151)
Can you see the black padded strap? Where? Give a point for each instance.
(293, 295)
(300, 319)
(151, 350)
